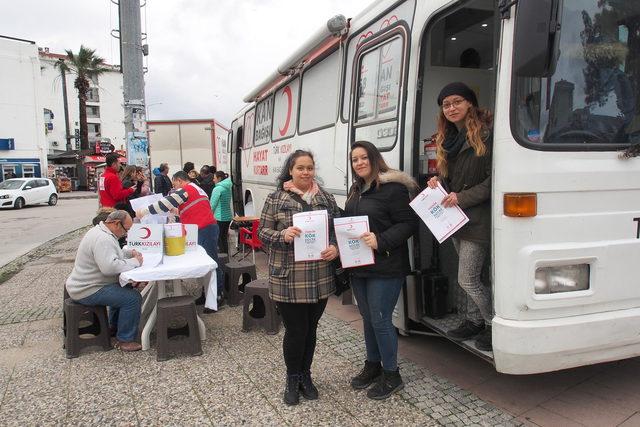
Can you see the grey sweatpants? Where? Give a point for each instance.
(471, 259)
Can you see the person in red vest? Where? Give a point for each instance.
(110, 188)
(193, 206)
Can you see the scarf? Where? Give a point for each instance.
(454, 142)
(288, 186)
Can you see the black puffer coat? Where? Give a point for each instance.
(391, 219)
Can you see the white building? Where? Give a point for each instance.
(105, 113)
(22, 139)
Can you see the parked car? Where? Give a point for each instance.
(19, 192)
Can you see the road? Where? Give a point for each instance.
(25, 229)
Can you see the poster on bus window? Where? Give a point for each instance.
(368, 85)
(389, 79)
(443, 222)
(263, 122)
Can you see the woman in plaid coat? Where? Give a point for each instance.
(300, 289)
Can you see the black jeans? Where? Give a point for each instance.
(299, 344)
(223, 240)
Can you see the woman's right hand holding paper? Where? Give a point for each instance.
(291, 233)
(433, 182)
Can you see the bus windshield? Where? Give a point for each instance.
(592, 98)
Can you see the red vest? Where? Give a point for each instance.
(196, 210)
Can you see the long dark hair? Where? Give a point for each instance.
(285, 173)
(221, 175)
(375, 160)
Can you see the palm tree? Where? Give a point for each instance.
(86, 64)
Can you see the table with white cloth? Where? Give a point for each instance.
(192, 265)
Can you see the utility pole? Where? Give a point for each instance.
(131, 53)
(67, 137)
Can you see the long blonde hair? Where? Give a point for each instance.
(478, 123)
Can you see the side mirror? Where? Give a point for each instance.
(28, 187)
(535, 45)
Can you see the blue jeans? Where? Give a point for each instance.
(377, 297)
(124, 305)
(208, 239)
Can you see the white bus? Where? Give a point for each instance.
(562, 77)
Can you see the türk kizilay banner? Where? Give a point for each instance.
(145, 238)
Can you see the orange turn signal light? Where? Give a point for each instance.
(520, 205)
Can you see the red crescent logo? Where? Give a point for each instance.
(363, 37)
(287, 91)
(148, 232)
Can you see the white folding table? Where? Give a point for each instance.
(192, 265)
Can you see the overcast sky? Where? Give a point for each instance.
(204, 55)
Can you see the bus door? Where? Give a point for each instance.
(235, 163)
(379, 74)
(457, 44)
(378, 84)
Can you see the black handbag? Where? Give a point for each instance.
(342, 278)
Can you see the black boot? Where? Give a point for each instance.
(368, 374)
(201, 299)
(309, 391)
(389, 383)
(292, 390)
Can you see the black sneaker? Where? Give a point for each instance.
(307, 388)
(370, 373)
(292, 390)
(465, 331)
(388, 383)
(208, 310)
(483, 342)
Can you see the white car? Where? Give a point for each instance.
(19, 192)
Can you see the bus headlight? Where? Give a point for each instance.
(564, 278)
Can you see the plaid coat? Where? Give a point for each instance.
(289, 281)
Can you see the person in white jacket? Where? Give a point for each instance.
(94, 279)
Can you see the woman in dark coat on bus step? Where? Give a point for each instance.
(463, 150)
(382, 194)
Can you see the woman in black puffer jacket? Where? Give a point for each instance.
(382, 194)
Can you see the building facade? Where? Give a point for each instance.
(105, 119)
(105, 114)
(22, 139)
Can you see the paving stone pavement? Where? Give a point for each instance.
(238, 380)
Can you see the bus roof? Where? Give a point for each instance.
(321, 40)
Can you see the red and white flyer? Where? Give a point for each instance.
(442, 222)
(314, 237)
(353, 251)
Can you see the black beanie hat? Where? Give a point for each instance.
(458, 88)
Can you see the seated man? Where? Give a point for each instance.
(94, 279)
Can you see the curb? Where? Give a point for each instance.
(77, 197)
(9, 269)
